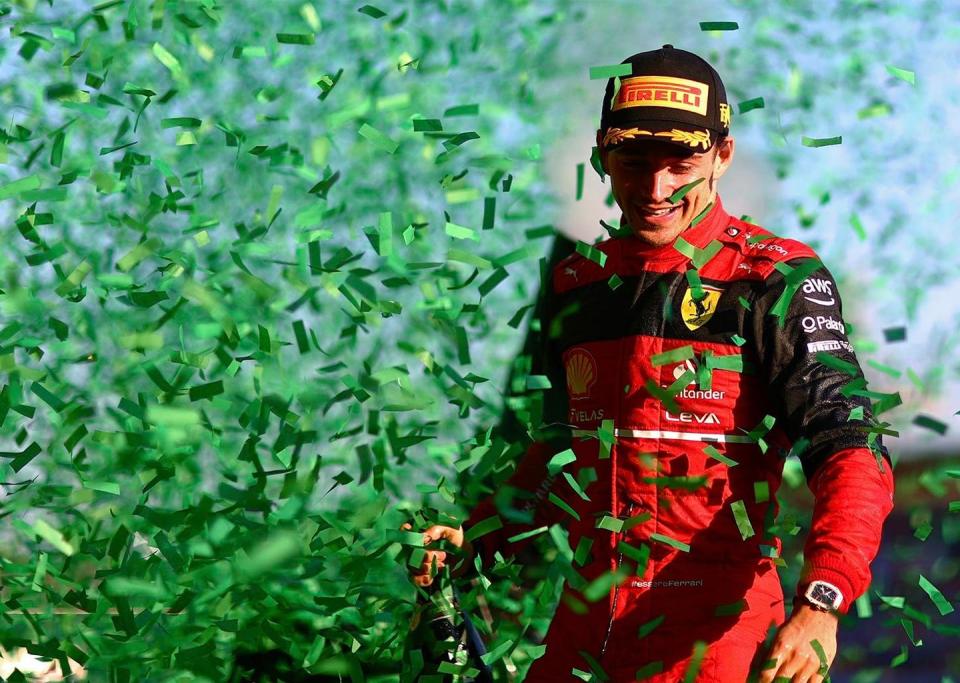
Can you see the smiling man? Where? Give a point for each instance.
(697, 351)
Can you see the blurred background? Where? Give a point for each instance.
(270, 269)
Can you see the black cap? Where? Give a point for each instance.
(670, 95)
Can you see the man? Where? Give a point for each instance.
(697, 351)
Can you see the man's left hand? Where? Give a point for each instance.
(796, 659)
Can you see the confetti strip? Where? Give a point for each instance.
(679, 545)
(750, 105)
(605, 72)
(719, 26)
(903, 74)
(942, 604)
(930, 423)
(821, 142)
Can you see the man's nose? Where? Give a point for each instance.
(659, 186)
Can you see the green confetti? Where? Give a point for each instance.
(677, 355)
(206, 391)
(52, 536)
(930, 423)
(679, 545)
(462, 110)
(460, 232)
(732, 362)
(903, 74)
(168, 60)
(614, 282)
(296, 38)
(542, 231)
(717, 455)
(483, 528)
(894, 334)
(761, 491)
(885, 369)
(609, 523)
(576, 486)
(596, 163)
(923, 531)
(561, 459)
(378, 139)
(489, 212)
(742, 519)
(19, 186)
(858, 226)
(696, 661)
(821, 142)
(559, 502)
(682, 192)
(583, 550)
(600, 586)
(592, 253)
(648, 670)
(537, 382)
(703, 214)
(372, 11)
(751, 104)
(864, 609)
(516, 538)
(427, 125)
(821, 656)
(719, 26)
(604, 72)
(111, 487)
(874, 110)
(732, 609)
(837, 363)
(940, 602)
(39, 573)
(274, 551)
(639, 555)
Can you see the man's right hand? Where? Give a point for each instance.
(424, 574)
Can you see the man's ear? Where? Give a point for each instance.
(724, 156)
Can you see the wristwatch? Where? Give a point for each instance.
(823, 596)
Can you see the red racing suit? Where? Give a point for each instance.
(689, 377)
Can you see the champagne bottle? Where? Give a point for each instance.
(442, 638)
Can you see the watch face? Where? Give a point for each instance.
(824, 594)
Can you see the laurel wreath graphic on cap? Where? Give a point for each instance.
(615, 136)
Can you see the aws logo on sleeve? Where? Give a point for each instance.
(821, 289)
(697, 312)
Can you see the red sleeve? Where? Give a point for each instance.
(525, 495)
(854, 495)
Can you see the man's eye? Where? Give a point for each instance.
(680, 169)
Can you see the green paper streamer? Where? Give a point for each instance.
(719, 26)
(598, 72)
(821, 142)
(903, 74)
(750, 105)
(940, 602)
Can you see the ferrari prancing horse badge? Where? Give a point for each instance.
(696, 313)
